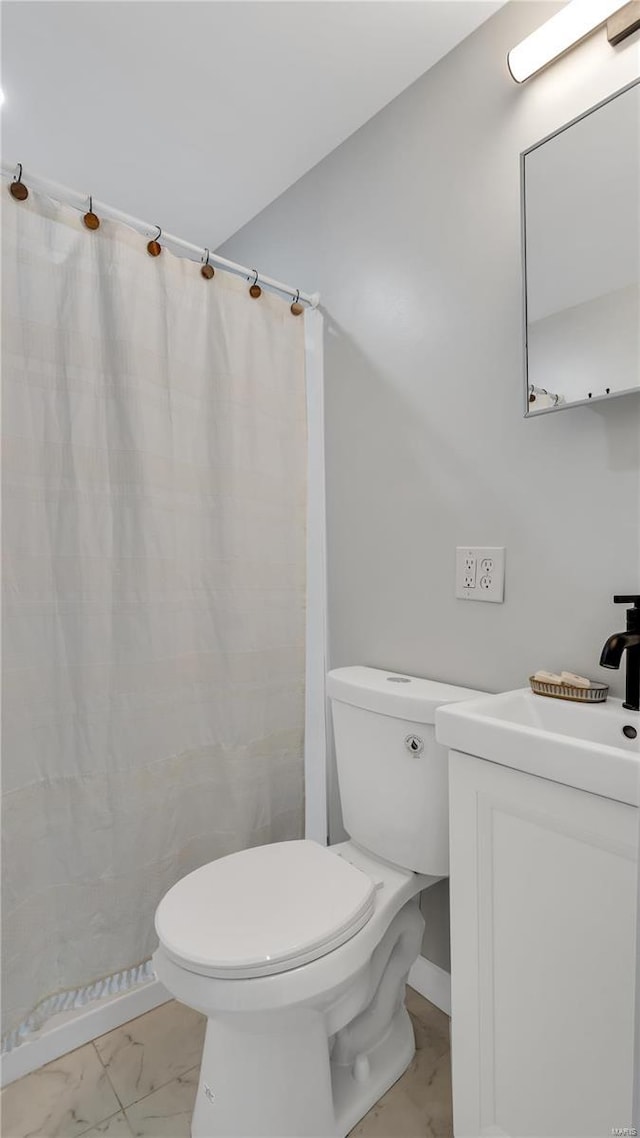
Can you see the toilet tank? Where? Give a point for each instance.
(392, 774)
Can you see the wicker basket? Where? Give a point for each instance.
(596, 693)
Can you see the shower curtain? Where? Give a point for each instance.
(154, 497)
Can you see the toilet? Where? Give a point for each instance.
(298, 954)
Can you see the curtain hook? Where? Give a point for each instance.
(17, 189)
(296, 308)
(255, 291)
(207, 270)
(90, 219)
(154, 249)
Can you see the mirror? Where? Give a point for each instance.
(581, 253)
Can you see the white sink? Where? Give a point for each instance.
(581, 745)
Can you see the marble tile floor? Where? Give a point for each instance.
(140, 1081)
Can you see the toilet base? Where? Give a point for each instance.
(322, 1100)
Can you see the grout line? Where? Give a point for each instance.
(93, 1044)
(109, 1080)
(160, 1086)
(102, 1121)
(176, 1079)
(128, 1124)
(105, 1066)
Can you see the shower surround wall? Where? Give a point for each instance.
(411, 232)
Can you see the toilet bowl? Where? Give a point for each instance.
(298, 954)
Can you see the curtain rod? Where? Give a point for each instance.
(80, 201)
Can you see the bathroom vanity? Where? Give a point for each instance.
(544, 848)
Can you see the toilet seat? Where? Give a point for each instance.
(264, 910)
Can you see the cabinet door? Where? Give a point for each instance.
(543, 922)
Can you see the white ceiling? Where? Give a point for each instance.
(197, 113)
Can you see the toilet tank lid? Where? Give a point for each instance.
(393, 693)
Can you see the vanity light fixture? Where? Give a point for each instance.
(564, 30)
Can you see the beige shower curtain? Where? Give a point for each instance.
(154, 496)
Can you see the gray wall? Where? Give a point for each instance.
(411, 231)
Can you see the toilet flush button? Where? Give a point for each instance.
(414, 744)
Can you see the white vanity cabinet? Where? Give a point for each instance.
(543, 930)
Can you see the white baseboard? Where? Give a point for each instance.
(431, 982)
(68, 1030)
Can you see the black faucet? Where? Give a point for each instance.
(629, 641)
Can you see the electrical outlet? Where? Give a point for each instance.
(469, 571)
(480, 573)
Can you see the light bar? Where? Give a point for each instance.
(559, 34)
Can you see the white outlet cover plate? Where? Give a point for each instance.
(484, 565)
